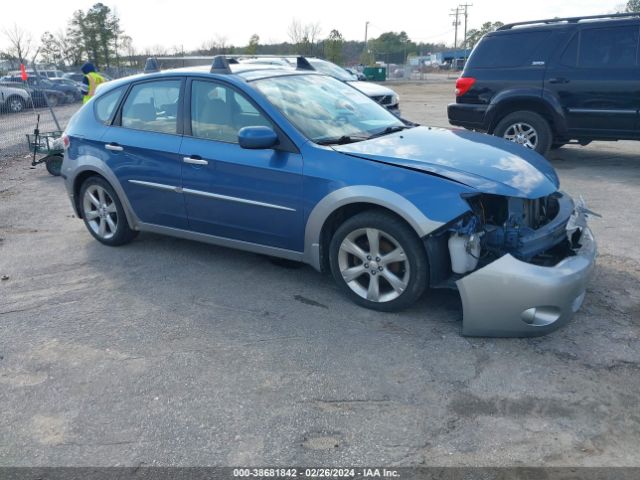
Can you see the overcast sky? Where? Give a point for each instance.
(191, 22)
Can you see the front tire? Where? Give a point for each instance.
(526, 128)
(103, 213)
(52, 100)
(378, 261)
(16, 104)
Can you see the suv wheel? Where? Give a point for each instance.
(53, 100)
(103, 214)
(378, 261)
(526, 128)
(15, 104)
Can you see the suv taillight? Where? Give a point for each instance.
(65, 141)
(463, 84)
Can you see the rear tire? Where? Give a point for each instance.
(103, 213)
(526, 128)
(378, 261)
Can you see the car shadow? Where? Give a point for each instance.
(156, 268)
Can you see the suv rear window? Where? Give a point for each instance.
(509, 50)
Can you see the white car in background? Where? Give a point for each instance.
(379, 93)
(14, 100)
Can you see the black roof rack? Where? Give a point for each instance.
(151, 65)
(220, 65)
(571, 19)
(303, 64)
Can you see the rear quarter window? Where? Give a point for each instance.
(106, 104)
(508, 50)
(614, 47)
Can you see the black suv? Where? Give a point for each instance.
(546, 83)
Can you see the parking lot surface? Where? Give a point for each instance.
(171, 352)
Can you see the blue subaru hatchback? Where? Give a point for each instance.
(298, 165)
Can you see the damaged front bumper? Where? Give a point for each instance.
(512, 298)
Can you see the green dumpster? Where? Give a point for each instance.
(377, 74)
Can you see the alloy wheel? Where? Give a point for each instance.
(15, 105)
(100, 212)
(373, 264)
(522, 134)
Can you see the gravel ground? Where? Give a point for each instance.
(170, 352)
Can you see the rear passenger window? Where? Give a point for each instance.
(152, 106)
(219, 112)
(608, 47)
(509, 50)
(106, 104)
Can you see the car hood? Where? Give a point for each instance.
(483, 162)
(12, 90)
(371, 89)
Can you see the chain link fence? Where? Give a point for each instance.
(418, 73)
(15, 125)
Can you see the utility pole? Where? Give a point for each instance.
(366, 28)
(455, 13)
(466, 14)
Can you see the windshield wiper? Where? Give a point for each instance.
(388, 130)
(342, 140)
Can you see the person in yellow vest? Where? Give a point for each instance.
(90, 81)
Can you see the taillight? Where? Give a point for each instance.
(65, 141)
(463, 84)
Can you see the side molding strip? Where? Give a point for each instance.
(236, 199)
(159, 186)
(171, 188)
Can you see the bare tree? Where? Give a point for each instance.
(130, 52)
(221, 43)
(156, 51)
(20, 42)
(304, 37)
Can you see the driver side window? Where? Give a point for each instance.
(219, 112)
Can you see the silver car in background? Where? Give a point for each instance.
(379, 93)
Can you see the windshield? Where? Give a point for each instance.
(327, 110)
(331, 69)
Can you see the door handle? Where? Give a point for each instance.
(195, 160)
(558, 80)
(114, 147)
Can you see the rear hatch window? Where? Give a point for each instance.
(510, 50)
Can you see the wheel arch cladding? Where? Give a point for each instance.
(86, 173)
(338, 217)
(355, 199)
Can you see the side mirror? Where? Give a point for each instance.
(257, 137)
